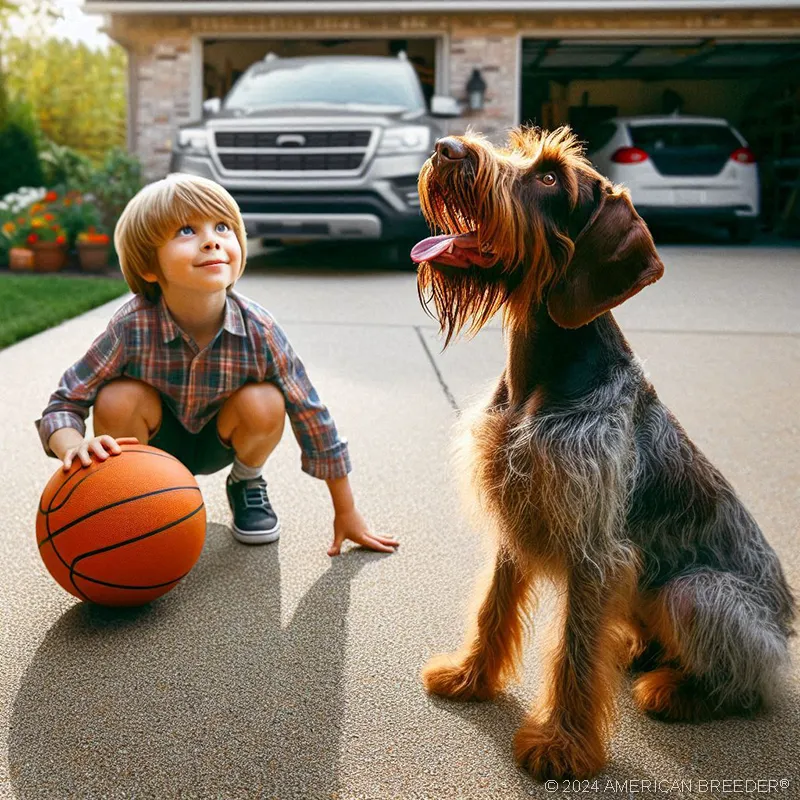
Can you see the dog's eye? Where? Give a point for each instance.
(548, 179)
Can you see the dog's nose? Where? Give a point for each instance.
(450, 149)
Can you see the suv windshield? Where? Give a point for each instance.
(657, 137)
(369, 83)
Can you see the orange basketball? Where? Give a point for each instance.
(123, 531)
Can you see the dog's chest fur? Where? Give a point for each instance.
(553, 472)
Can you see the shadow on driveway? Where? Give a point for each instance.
(200, 694)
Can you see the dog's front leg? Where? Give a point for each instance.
(491, 651)
(565, 736)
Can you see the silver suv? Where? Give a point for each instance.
(323, 147)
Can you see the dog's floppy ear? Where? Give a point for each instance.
(614, 258)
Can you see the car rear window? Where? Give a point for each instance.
(657, 137)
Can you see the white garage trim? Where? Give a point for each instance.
(415, 6)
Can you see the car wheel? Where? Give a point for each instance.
(743, 231)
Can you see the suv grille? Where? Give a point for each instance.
(296, 151)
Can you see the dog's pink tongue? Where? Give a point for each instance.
(429, 248)
(434, 246)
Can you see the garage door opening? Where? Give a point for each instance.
(754, 85)
(224, 60)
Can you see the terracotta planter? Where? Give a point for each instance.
(48, 256)
(20, 258)
(93, 256)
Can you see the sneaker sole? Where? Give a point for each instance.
(256, 537)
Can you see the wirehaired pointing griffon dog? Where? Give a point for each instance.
(581, 472)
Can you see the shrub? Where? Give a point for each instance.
(18, 149)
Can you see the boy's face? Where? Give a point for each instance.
(202, 256)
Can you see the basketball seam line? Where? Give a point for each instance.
(69, 525)
(99, 468)
(139, 538)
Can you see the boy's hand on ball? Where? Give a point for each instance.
(98, 446)
(351, 525)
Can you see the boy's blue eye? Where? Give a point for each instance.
(224, 226)
(186, 229)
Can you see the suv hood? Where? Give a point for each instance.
(386, 115)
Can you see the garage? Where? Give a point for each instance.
(753, 84)
(224, 60)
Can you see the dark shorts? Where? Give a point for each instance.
(201, 453)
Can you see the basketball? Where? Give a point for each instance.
(123, 531)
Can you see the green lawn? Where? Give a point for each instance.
(33, 303)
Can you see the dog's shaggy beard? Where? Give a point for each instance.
(462, 297)
(463, 201)
(483, 196)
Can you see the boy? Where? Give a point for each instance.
(195, 369)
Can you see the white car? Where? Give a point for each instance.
(681, 169)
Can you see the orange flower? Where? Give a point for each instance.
(9, 227)
(87, 237)
(20, 220)
(37, 222)
(37, 208)
(49, 217)
(61, 239)
(67, 201)
(33, 238)
(50, 197)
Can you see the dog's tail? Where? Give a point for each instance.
(731, 634)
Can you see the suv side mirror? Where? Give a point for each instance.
(444, 106)
(211, 106)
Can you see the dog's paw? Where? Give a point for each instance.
(548, 753)
(668, 695)
(455, 676)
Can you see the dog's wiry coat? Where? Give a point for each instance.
(584, 475)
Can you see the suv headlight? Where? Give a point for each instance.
(193, 140)
(411, 139)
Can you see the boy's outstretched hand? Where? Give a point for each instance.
(351, 525)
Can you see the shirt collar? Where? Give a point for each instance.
(233, 322)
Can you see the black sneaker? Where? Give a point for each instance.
(254, 521)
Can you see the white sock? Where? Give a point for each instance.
(241, 472)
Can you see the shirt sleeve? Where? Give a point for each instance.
(324, 453)
(70, 404)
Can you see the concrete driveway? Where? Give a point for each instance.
(278, 672)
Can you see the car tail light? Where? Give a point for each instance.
(744, 155)
(629, 155)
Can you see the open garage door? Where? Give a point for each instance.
(224, 60)
(754, 85)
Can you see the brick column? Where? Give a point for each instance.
(162, 88)
(496, 57)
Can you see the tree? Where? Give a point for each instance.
(33, 15)
(78, 94)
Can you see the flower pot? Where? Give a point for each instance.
(93, 256)
(48, 256)
(20, 258)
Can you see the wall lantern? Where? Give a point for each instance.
(476, 90)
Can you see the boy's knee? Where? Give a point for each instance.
(124, 398)
(259, 406)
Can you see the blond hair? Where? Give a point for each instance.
(154, 214)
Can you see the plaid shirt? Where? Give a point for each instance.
(143, 342)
